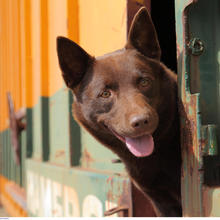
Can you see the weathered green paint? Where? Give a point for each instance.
(9, 168)
(45, 127)
(29, 131)
(48, 129)
(209, 140)
(48, 187)
(37, 131)
(97, 156)
(204, 22)
(191, 180)
(59, 133)
(23, 157)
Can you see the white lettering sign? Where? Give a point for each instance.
(49, 198)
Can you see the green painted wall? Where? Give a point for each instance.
(8, 167)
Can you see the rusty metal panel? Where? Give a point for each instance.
(197, 25)
(191, 179)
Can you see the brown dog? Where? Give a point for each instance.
(128, 101)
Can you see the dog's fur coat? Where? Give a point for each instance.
(129, 95)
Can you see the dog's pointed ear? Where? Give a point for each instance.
(142, 35)
(73, 60)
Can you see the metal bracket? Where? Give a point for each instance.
(16, 126)
(123, 209)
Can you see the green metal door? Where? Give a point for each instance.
(198, 45)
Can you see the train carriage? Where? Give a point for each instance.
(49, 166)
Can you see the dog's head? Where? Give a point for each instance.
(117, 97)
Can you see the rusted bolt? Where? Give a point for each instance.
(196, 46)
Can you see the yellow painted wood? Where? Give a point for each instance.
(44, 48)
(36, 50)
(22, 52)
(10, 72)
(57, 26)
(28, 61)
(2, 67)
(73, 20)
(102, 25)
(15, 50)
(29, 65)
(28, 53)
(3, 55)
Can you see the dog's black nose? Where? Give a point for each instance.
(139, 121)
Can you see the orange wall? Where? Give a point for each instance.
(102, 25)
(28, 30)
(10, 59)
(57, 26)
(28, 61)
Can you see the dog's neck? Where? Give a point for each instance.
(158, 169)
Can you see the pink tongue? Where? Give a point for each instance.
(140, 147)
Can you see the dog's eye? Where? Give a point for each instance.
(145, 82)
(105, 94)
